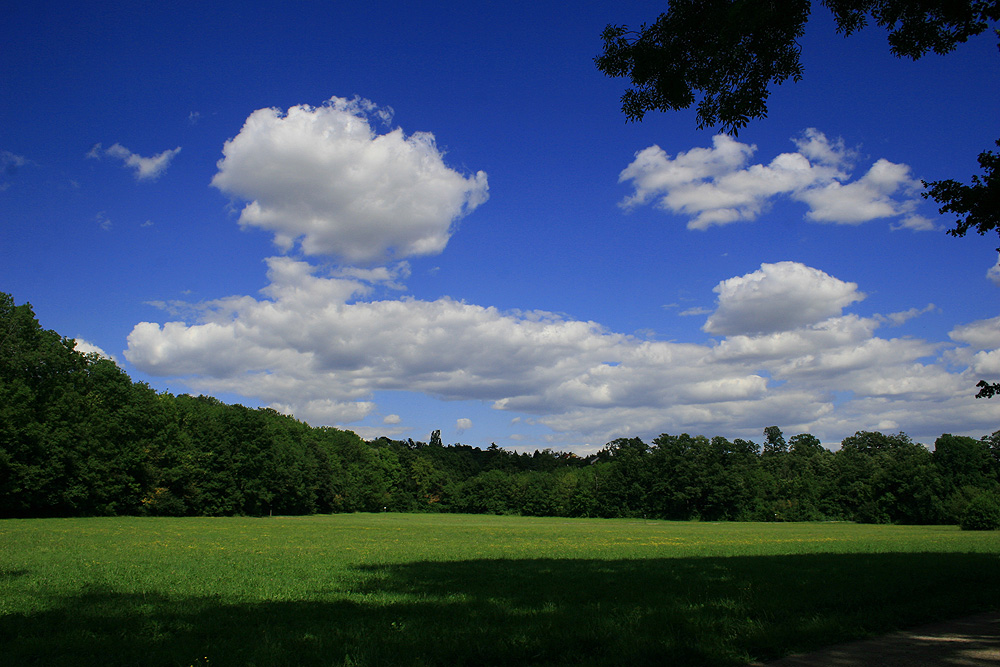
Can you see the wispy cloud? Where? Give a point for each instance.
(897, 319)
(146, 168)
(10, 164)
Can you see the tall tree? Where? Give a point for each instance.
(774, 441)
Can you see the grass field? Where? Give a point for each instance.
(406, 589)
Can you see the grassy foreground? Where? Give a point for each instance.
(405, 589)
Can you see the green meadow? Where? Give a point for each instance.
(411, 589)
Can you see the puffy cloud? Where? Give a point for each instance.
(980, 350)
(326, 411)
(146, 168)
(865, 199)
(987, 363)
(993, 275)
(310, 347)
(653, 172)
(463, 424)
(85, 347)
(981, 334)
(814, 145)
(717, 186)
(322, 177)
(392, 419)
(779, 297)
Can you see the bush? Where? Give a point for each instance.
(982, 513)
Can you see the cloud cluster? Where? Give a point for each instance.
(312, 348)
(780, 346)
(718, 186)
(324, 178)
(146, 168)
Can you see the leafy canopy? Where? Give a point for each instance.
(730, 51)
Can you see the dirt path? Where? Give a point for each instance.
(968, 642)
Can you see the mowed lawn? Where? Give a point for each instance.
(409, 589)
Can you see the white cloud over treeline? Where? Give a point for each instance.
(85, 347)
(309, 347)
(719, 186)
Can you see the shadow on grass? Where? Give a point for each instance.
(7, 575)
(685, 611)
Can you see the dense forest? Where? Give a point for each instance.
(78, 437)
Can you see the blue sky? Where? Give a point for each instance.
(396, 218)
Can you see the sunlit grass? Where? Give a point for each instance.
(447, 589)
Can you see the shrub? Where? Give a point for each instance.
(982, 513)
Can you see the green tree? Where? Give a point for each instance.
(623, 492)
(774, 441)
(430, 482)
(805, 444)
(983, 513)
(887, 479)
(490, 492)
(726, 55)
(964, 461)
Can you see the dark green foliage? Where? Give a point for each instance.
(918, 27)
(977, 207)
(983, 513)
(729, 52)
(774, 441)
(78, 437)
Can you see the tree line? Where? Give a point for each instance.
(79, 438)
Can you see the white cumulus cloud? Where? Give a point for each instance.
(789, 354)
(323, 177)
(779, 297)
(981, 334)
(718, 186)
